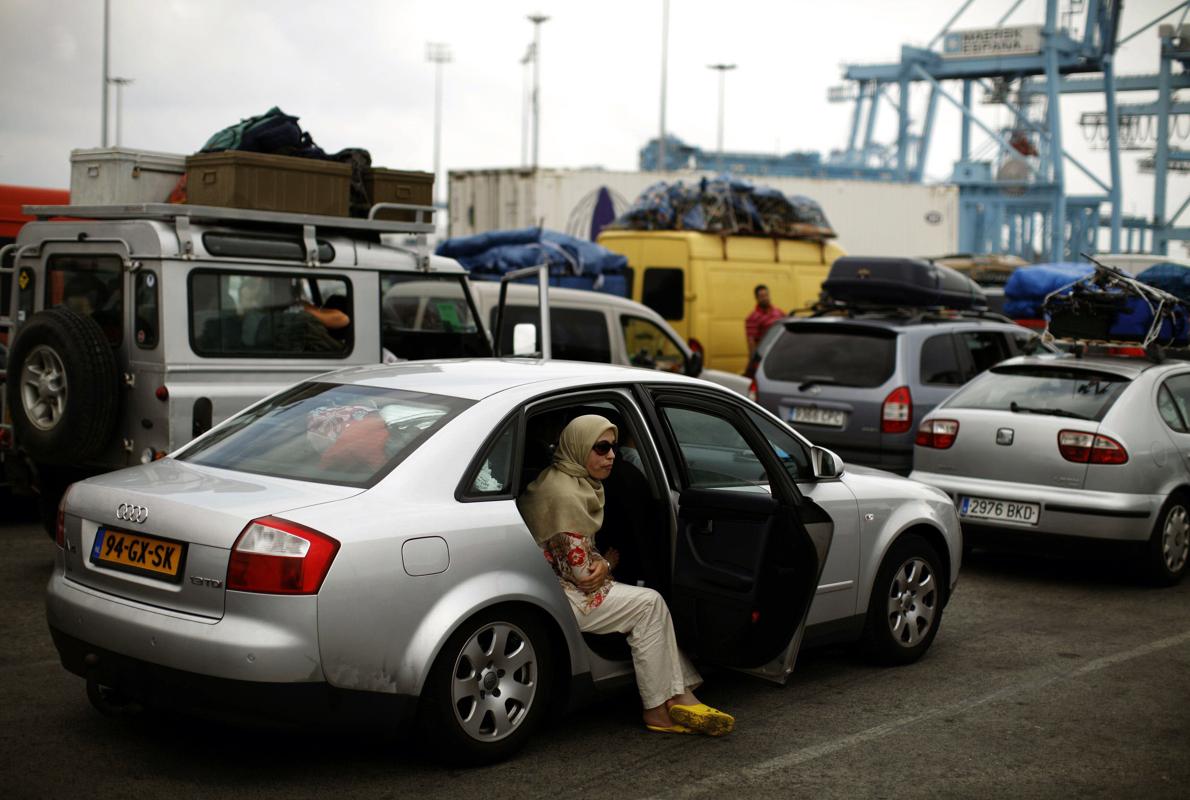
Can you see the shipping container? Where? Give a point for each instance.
(871, 218)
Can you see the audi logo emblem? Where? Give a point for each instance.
(131, 513)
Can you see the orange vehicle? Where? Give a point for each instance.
(11, 220)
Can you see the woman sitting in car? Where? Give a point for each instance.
(564, 510)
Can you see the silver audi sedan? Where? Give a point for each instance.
(352, 544)
(1094, 447)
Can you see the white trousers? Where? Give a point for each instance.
(662, 670)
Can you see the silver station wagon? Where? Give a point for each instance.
(353, 544)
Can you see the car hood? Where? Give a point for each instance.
(869, 482)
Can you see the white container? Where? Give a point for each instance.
(871, 218)
(117, 176)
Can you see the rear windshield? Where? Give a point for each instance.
(832, 354)
(327, 433)
(1050, 390)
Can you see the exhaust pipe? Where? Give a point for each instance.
(107, 701)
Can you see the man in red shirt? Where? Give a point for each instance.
(758, 322)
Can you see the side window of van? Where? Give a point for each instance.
(940, 363)
(664, 291)
(649, 346)
(242, 314)
(986, 348)
(576, 334)
(90, 285)
(428, 316)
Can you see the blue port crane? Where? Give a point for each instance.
(1017, 201)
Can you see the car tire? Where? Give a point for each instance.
(1168, 549)
(489, 688)
(905, 608)
(63, 387)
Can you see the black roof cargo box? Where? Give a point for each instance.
(902, 282)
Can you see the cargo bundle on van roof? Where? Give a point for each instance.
(869, 281)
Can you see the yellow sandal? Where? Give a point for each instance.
(703, 719)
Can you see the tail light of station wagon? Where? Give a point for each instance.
(276, 556)
(1090, 448)
(896, 415)
(937, 433)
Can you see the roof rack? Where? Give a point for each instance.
(172, 211)
(907, 313)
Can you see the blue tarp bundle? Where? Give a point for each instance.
(1173, 278)
(498, 252)
(725, 204)
(1028, 286)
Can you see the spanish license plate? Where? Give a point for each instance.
(137, 553)
(1000, 510)
(812, 415)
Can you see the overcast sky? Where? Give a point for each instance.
(355, 72)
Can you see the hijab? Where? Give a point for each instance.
(565, 497)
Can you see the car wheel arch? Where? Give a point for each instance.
(928, 530)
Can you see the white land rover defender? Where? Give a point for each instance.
(131, 329)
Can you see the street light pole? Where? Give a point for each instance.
(119, 83)
(537, 19)
(722, 69)
(107, 15)
(661, 161)
(438, 54)
(525, 62)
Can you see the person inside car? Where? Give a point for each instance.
(563, 508)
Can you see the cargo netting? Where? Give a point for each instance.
(725, 205)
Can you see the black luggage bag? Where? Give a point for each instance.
(901, 282)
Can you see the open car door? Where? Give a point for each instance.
(749, 548)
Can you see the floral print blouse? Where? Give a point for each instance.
(573, 557)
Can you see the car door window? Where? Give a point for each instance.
(713, 450)
(492, 477)
(1178, 389)
(91, 286)
(1168, 408)
(939, 362)
(986, 348)
(647, 345)
(576, 334)
(794, 455)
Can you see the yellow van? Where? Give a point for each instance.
(701, 283)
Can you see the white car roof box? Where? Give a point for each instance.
(901, 283)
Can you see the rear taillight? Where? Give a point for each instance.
(752, 391)
(896, 415)
(937, 433)
(1090, 448)
(276, 556)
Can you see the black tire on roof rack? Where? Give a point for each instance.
(63, 387)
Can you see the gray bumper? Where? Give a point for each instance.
(1069, 512)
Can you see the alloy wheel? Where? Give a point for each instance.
(43, 387)
(912, 602)
(494, 682)
(1175, 539)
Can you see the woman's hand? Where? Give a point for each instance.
(595, 577)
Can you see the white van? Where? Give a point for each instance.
(595, 326)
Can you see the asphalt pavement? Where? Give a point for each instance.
(1049, 678)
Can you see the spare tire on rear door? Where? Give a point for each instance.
(63, 387)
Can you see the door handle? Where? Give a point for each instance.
(704, 528)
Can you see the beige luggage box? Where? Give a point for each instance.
(119, 176)
(399, 186)
(267, 182)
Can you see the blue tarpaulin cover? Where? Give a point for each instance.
(503, 251)
(1173, 278)
(1027, 286)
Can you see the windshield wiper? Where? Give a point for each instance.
(1017, 408)
(815, 380)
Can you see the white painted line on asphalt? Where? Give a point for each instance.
(734, 779)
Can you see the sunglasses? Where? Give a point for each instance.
(603, 448)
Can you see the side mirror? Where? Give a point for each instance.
(694, 364)
(524, 339)
(826, 464)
